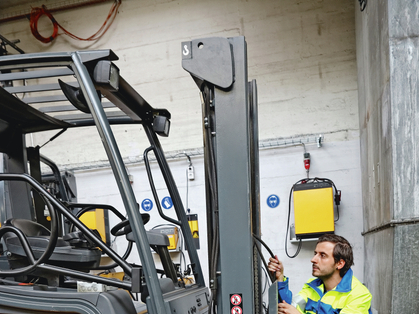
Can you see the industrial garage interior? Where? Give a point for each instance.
(337, 98)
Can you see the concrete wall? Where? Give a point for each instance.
(387, 42)
(302, 54)
(376, 143)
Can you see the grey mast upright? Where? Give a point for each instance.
(219, 68)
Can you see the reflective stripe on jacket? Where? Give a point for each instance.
(350, 296)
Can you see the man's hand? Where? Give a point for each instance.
(275, 266)
(285, 308)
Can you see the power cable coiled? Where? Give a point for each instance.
(37, 12)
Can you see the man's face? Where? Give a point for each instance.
(324, 265)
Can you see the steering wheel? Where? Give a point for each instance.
(124, 223)
(124, 227)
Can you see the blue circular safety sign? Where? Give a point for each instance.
(273, 201)
(147, 204)
(167, 202)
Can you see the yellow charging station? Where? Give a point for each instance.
(313, 209)
(95, 219)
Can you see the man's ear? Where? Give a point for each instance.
(340, 264)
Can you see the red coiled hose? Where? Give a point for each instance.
(36, 13)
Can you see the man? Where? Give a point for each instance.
(335, 290)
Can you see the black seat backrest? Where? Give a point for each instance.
(28, 227)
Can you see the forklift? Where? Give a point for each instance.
(50, 258)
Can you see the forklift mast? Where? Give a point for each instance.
(230, 127)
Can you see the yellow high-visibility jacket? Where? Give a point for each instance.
(350, 296)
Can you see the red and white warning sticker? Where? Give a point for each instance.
(236, 310)
(236, 299)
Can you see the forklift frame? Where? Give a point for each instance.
(23, 116)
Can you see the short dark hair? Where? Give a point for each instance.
(342, 250)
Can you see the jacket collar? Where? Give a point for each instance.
(345, 285)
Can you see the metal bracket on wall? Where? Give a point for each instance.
(271, 143)
(319, 141)
(362, 4)
(5, 41)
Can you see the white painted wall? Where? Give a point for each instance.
(302, 54)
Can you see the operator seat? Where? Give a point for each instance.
(65, 254)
